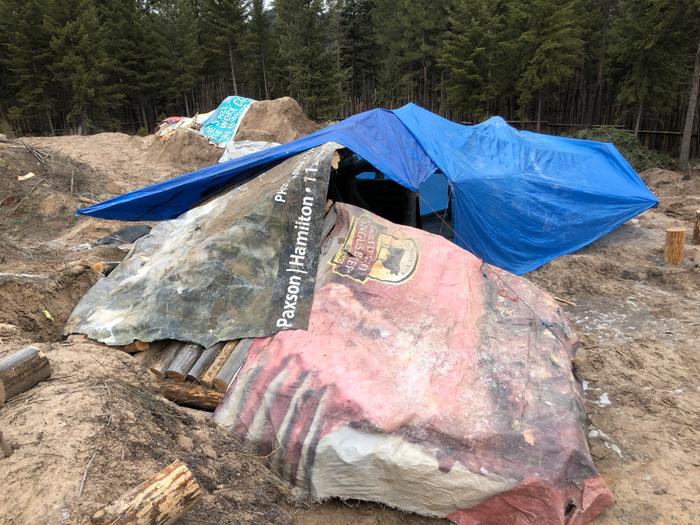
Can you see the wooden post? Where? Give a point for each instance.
(696, 228)
(5, 447)
(185, 358)
(189, 395)
(159, 500)
(675, 241)
(232, 365)
(22, 370)
(208, 377)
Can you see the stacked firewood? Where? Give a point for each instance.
(191, 375)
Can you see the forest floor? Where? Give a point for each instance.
(98, 426)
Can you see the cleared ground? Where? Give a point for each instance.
(638, 319)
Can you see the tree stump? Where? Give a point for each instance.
(696, 228)
(675, 241)
(159, 500)
(22, 370)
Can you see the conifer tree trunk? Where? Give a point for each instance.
(690, 115)
(539, 111)
(233, 71)
(638, 119)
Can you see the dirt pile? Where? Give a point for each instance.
(184, 149)
(99, 427)
(281, 120)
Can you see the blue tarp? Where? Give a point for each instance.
(519, 199)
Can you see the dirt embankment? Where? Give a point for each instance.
(639, 321)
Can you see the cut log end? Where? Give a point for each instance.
(160, 500)
(22, 370)
(675, 242)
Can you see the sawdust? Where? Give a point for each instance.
(638, 319)
(281, 120)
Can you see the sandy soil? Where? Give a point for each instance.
(639, 321)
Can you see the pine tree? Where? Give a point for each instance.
(649, 51)
(308, 62)
(474, 55)
(259, 28)
(224, 37)
(26, 54)
(357, 47)
(549, 49)
(79, 58)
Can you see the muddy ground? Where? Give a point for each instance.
(99, 427)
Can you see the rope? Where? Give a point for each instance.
(485, 265)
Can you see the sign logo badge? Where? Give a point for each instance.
(369, 252)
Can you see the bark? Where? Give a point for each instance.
(539, 111)
(696, 228)
(189, 395)
(185, 358)
(159, 500)
(162, 361)
(690, 115)
(22, 370)
(204, 361)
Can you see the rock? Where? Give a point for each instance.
(209, 451)
(8, 330)
(185, 443)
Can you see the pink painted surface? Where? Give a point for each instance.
(411, 336)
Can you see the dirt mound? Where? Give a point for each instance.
(281, 120)
(184, 149)
(99, 427)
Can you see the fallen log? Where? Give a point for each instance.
(232, 365)
(204, 361)
(161, 361)
(191, 395)
(159, 500)
(185, 358)
(22, 370)
(208, 377)
(5, 447)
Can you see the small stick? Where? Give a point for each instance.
(565, 301)
(27, 195)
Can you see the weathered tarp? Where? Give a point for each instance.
(241, 265)
(519, 199)
(427, 381)
(221, 126)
